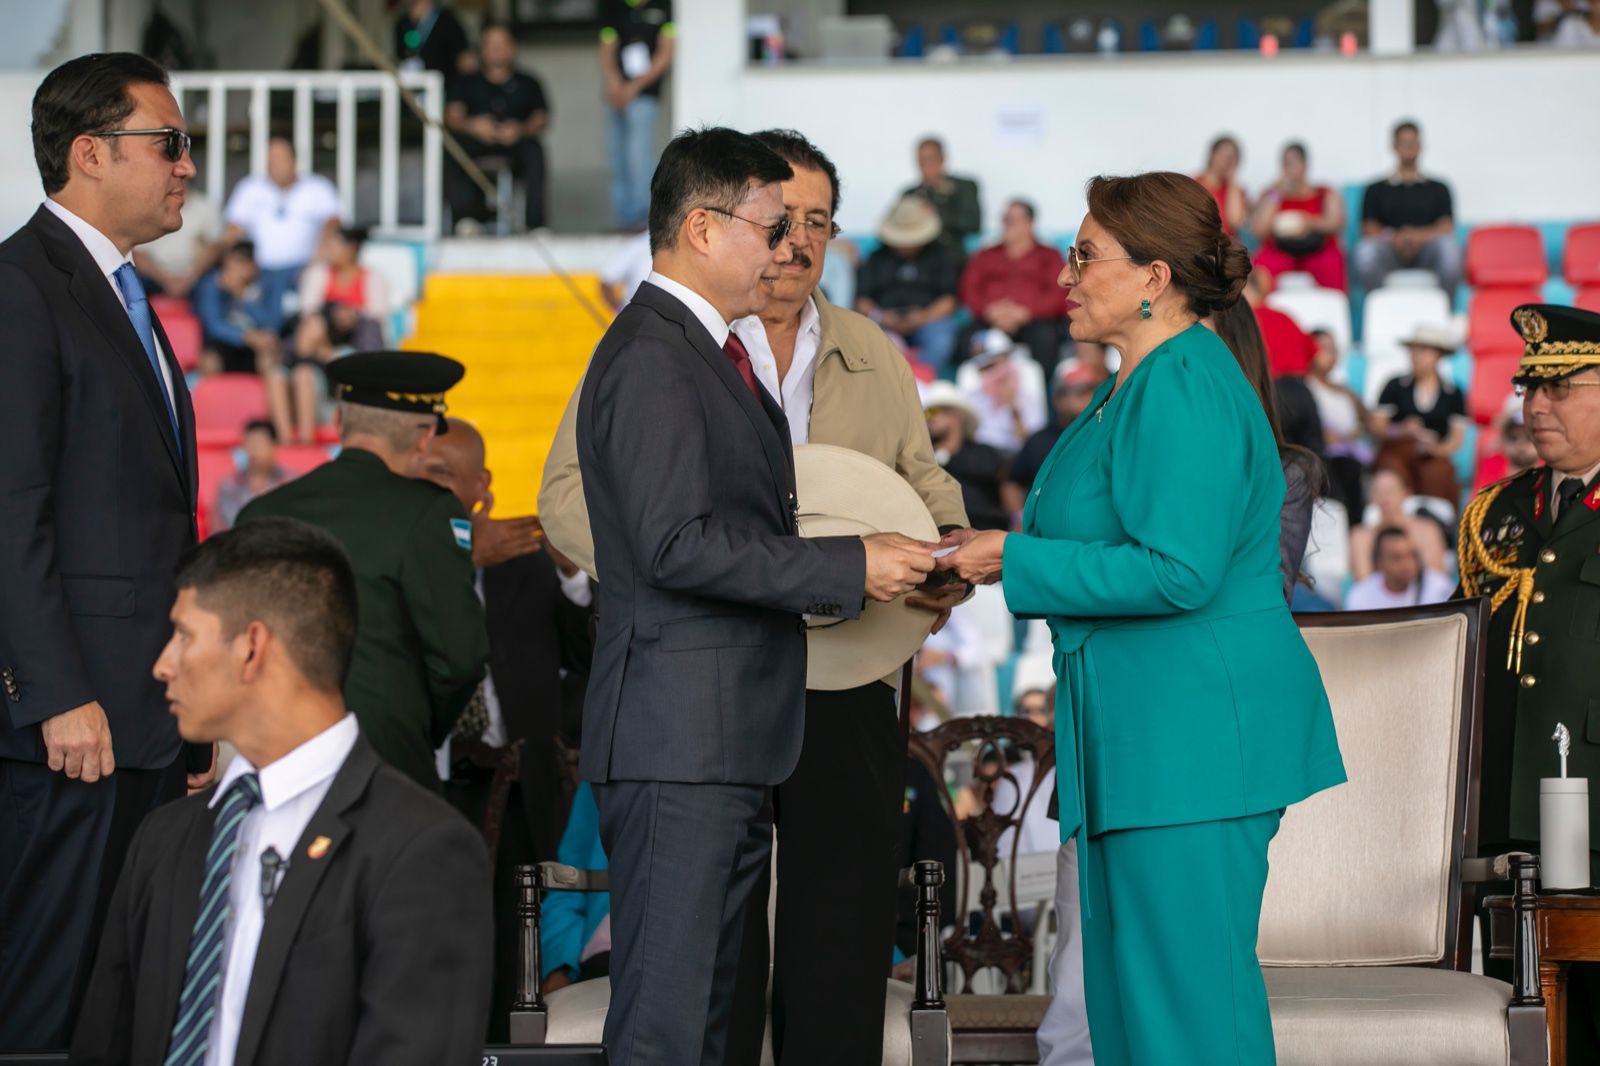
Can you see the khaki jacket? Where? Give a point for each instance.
(864, 398)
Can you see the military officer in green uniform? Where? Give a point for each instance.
(421, 644)
(1531, 543)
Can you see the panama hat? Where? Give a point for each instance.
(1429, 336)
(846, 493)
(912, 223)
(948, 394)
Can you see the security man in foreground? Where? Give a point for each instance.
(421, 643)
(1531, 543)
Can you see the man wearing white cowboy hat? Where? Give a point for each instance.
(980, 468)
(840, 382)
(908, 286)
(1421, 418)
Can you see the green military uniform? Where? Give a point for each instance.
(1535, 552)
(421, 644)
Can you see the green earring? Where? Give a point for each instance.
(1144, 308)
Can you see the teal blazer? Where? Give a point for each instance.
(1150, 545)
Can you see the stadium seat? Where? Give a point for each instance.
(223, 403)
(1588, 298)
(1580, 261)
(213, 465)
(1489, 328)
(397, 265)
(166, 307)
(1505, 255)
(302, 458)
(1491, 384)
(1388, 317)
(1314, 308)
(183, 333)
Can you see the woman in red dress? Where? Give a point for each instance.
(1221, 180)
(1299, 224)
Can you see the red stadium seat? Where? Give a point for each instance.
(1489, 328)
(214, 464)
(183, 333)
(1580, 259)
(1505, 255)
(302, 458)
(1491, 384)
(223, 403)
(167, 307)
(1588, 298)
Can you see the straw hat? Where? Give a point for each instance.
(947, 394)
(847, 493)
(1437, 337)
(912, 223)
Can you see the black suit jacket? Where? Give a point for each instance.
(379, 951)
(535, 633)
(97, 501)
(700, 657)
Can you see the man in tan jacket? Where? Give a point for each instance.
(840, 381)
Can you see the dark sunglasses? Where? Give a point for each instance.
(775, 232)
(177, 141)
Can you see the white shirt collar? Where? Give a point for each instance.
(1583, 478)
(310, 764)
(104, 252)
(709, 316)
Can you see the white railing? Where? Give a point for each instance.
(205, 95)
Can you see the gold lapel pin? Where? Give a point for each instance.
(318, 848)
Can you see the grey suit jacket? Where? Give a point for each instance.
(700, 657)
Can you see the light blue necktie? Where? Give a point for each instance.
(139, 313)
(202, 973)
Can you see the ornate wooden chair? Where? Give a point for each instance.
(1004, 898)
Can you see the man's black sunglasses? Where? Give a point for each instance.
(775, 232)
(177, 141)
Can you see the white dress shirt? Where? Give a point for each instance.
(1555, 486)
(108, 259)
(795, 391)
(698, 305)
(292, 788)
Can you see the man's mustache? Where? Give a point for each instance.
(802, 259)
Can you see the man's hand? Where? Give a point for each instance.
(79, 742)
(558, 979)
(500, 540)
(940, 601)
(979, 557)
(567, 567)
(484, 128)
(896, 564)
(195, 782)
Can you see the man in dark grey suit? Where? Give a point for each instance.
(97, 500)
(697, 698)
(316, 906)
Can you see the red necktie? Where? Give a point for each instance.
(740, 358)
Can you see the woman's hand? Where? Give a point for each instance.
(979, 557)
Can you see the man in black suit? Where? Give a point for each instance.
(539, 610)
(315, 906)
(696, 702)
(97, 499)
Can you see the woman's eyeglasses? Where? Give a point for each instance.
(177, 141)
(1557, 390)
(1076, 260)
(776, 232)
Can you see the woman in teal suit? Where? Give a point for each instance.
(1189, 711)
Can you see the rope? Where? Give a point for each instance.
(1477, 565)
(358, 33)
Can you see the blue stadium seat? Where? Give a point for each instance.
(1249, 33)
(1149, 37)
(1305, 32)
(1206, 36)
(912, 42)
(1054, 40)
(1011, 39)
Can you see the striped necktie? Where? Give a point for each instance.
(202, 973)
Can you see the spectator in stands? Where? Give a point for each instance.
(1549, 14)
(1398, 577)
(626, 270)
(1290, 350)
(430, 37)
(908, 286)
(497, 113)
(1011, 286)
(1407, 220)
(1221, 180)
(1074, 387)
(236, 328)
(953, 425)
(261, 473)
(1421, 419)
(1009, 396)
(956, 199)
(574, 927)
(284, 214)
(1512, 451)
(1345, 450)
(170, 265)
(1578, 29)
(637, 41)
(1033, 698)
(1390, 494)
(1299, 224)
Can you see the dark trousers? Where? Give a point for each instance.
(684, 860)
(838, 820)
(62, 843)
(527, 162)
(1043, 337)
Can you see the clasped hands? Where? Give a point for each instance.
(897, 565)
(978, 555)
